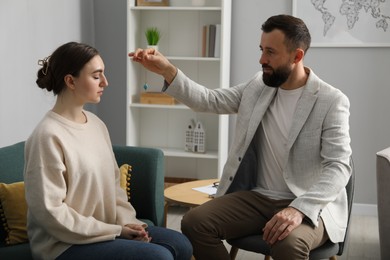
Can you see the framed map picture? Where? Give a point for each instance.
(346, 23)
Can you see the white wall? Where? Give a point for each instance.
(110, 38)
(31, 30)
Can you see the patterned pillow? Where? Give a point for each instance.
(125, 171)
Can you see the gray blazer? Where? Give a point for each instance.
(318, 165)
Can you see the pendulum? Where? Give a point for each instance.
(145, 86)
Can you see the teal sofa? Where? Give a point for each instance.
(147, 186)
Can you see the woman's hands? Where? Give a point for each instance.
(155, 62)
(135, 232)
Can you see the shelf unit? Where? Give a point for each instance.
(163, 126)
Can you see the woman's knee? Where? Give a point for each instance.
(177, 243)
(117, 249)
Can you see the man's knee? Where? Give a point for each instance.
(186, 223)
(291, 247)
(197, 222)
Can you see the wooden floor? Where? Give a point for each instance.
(363, 239)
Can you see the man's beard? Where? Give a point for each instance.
(277, 77)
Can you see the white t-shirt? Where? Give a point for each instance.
(272, 136)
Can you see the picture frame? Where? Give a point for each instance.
(340, 23)
(152, 2)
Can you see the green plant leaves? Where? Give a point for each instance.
(152, 35)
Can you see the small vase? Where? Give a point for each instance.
(153, 47)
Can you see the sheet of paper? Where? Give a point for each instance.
(209, 189)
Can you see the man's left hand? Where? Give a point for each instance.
(281, 225)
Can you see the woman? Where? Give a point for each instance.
(76, 208)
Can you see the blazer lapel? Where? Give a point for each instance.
(304, 107)
(262, 104)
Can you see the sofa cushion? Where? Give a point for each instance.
(13, 212)
(125, 171)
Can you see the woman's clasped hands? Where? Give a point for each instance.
(135, 232)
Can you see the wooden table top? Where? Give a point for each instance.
(184, 195)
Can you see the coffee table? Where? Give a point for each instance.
(183, 194)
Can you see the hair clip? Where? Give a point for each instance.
(45, 65)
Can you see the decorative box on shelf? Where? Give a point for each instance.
(159, 98)
(152, 2)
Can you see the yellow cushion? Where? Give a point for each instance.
(125, 171)
(13, 212)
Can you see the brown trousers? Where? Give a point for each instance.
(240, 214)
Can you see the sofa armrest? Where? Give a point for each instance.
(147, 180)
(19, 251)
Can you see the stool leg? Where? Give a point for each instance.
(267, 257)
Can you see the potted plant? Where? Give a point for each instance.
(153, 36)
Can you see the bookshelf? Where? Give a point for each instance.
(164, 126)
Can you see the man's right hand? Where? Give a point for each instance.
(154, 61)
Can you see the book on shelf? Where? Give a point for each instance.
(211, 40)
(205, 40)
(217, 48)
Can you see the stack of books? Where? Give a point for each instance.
(211, 40)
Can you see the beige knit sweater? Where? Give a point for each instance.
(72, 186)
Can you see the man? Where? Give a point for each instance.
(288, 165)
